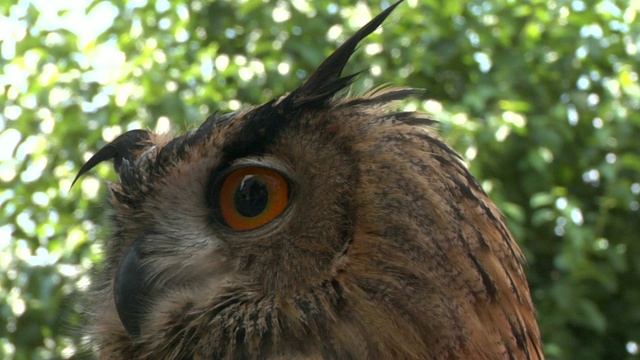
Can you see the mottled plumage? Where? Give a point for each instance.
(387, 247)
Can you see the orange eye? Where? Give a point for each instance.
(251, 196)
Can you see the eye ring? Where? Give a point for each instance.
(249, 197)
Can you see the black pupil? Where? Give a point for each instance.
(251, 197)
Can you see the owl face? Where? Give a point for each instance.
(311, 226)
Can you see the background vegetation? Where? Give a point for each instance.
(541, 97)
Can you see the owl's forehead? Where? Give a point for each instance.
(210, 135)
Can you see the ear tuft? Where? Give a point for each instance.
(327, 79)
(124, 147)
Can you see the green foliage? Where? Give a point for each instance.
(542, 98)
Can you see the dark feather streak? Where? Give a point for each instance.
(410, 118)
(488, 284)
(382, 98)
(438, 143)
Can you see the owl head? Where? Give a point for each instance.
(315, 225)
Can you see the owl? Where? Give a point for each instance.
(314, 226)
